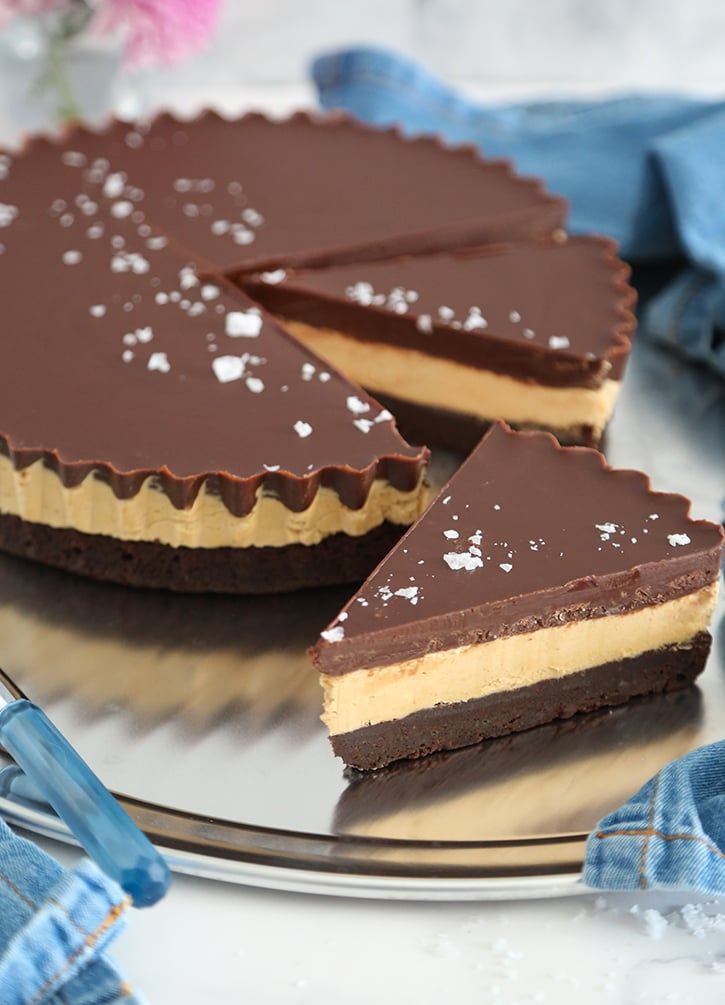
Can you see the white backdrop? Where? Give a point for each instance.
(562, 43)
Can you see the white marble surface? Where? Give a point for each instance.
(215, 944)
(220, 945)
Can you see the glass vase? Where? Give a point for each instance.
(48, 78)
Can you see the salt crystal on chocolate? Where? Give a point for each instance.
(243, 324)
(336, 634)
(559, 342)
(228, 368)
(159, 361)
(678, 540)
(113, 185)
(356, 406)
(8, 214)
(464, 560)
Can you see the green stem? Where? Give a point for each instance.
(59, 35)
(55, 78)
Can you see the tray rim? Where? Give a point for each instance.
(271, 868)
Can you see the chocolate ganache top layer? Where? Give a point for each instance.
(526, 534)
(256, 193)
(127, 350)
(557, 313)
(117, 358)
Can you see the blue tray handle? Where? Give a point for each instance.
(77, 795)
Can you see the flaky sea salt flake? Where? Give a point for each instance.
(113, 185)
(156, 243)
(121, 209)
(408, 593)
(8, 214)
(475, 320)
(678, 540)
(464, 560)
(356, 405)
(273, 277)
(72, 158)
(559, 342)
(228, 368)
(336, 634)
(159, 361)
(243, 324)
(302, 428)
(188, 277)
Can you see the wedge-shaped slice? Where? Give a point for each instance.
(540, 583)
(536, 334)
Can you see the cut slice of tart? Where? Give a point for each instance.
(159, 429)
(536, 334)
(540, 583)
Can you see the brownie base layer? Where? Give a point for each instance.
(448, 727)
(441, 427)
(339, 558)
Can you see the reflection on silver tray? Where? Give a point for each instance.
(203, 713)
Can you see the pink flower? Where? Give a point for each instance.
(29, 8)
(164, 30)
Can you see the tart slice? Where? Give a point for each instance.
(540, 583)
(536, 334)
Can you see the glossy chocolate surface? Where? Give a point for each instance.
(256, 193)
(118, 357)
(127, 351)
(556, 313)
(527, 534)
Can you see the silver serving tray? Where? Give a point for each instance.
(202, 713)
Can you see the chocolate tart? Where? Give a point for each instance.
(157, 427)
(536, 334)
(540, 583)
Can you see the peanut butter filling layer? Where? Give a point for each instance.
(441, 383)
(370, 696)
(37, 495)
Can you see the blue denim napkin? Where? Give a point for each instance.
(670, 835)
(54, 928)
(646, 170)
